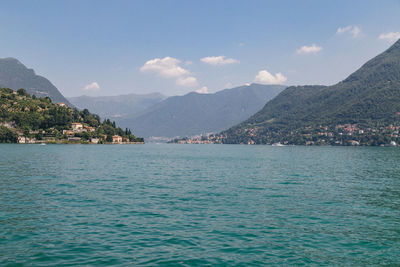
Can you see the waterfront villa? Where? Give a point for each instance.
(26, 140)
(117, 139)
(94, 140)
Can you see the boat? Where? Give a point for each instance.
(277, 144)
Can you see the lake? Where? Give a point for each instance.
(196, 205)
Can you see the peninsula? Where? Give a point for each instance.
(25, 118)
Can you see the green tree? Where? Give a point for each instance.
(22, 92)
(7, 136)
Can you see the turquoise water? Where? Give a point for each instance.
(191, 205)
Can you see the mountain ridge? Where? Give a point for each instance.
(196, 113)
(368, 97)
(15, 75)
(117, 106)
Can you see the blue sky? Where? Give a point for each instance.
(175, 47)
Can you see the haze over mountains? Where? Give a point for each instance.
(370, 98)
(152, 115)
(14, 75)
(117, 106)
(194, 113)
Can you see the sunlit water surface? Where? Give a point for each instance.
(199, 205)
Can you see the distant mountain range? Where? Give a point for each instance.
(368, 100)
(152, 115)
(14, 75)
(114, 107)
(194, 113)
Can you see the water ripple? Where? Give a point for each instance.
(172, 205)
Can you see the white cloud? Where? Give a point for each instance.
(169, 67)
(94, 86)
(313, 49)
(264, 77)
(390, 36)
(187, 81)
(219, 60)
(354, 31)
(202, 90)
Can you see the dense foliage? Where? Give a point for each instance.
(7, 136)
(29, 116)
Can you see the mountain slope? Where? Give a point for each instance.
(370, 97)
(117, 106)
(195, 113)
(14, 75)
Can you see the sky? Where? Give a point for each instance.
(96, 47)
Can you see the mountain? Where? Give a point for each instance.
(195, 113)
(117, 106)
(14, 75)
(367, 101)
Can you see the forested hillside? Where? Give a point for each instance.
(364, 108)
(38, 119)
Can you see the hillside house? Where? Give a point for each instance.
(90, 129)
(68, 132)
(60, 104)
(76, 126)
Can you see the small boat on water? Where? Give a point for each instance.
(277, 144)
(42, 144)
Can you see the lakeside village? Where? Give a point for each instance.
(78, 133)
(74, 135)
(339, 135)
(26, 119)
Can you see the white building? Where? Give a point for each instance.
(76, 126)
(26, 140)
